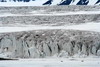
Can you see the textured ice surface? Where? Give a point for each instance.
(46, 43)
(41, 32)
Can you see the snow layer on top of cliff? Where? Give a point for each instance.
(85, 27)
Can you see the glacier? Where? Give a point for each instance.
(48, 43)
(32, 35)
(42, 32)
(50, 31)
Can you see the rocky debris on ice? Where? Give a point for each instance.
(60, 20)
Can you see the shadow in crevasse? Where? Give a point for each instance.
(7, 59)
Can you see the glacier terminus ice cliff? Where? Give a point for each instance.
(57, 31)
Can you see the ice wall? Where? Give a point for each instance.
(48, 43)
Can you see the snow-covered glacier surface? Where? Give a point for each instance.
(55, 62)
(47, 2)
